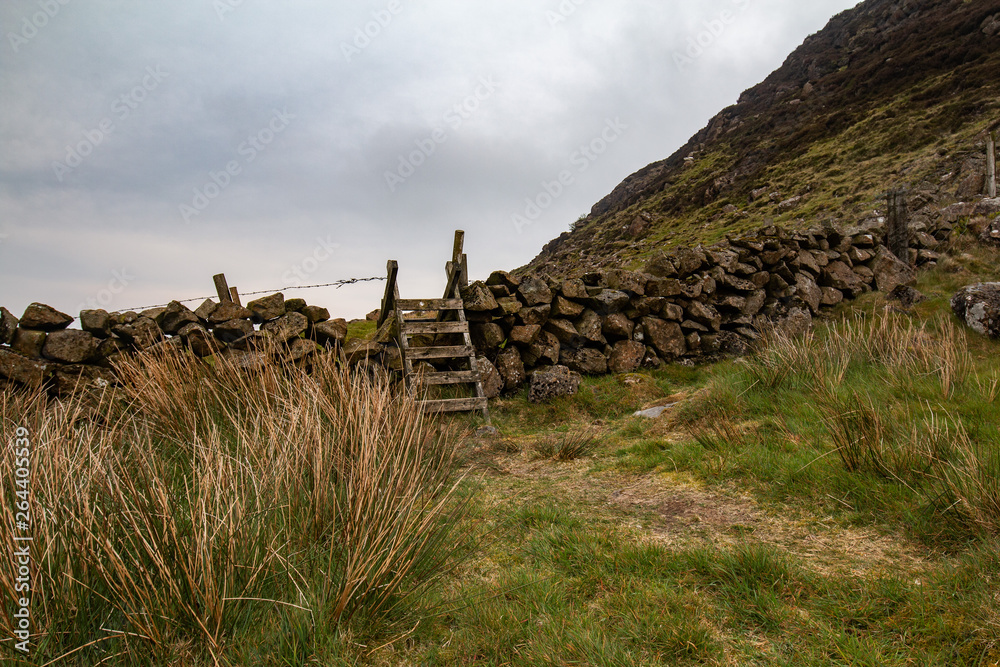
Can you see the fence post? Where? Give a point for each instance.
(222, 288)
(991, 165)
(897, 229)
(235, 296)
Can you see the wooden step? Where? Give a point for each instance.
(444, 377)
(443, 352)
(453, 405)
(429, 304)
(411, 327)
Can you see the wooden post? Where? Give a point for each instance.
(222, 288)
(897, 226)
(389, 299)
(235, 296)
(991, 165)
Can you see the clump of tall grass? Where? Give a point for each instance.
(890, 342)
(199, 502)
(898, 400)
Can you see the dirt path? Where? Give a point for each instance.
(677, 510)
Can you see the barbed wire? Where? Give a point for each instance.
(336, 284)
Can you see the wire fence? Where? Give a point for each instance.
(336, 284)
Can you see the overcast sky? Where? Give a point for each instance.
(147, 146)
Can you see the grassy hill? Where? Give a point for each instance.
(892, 93)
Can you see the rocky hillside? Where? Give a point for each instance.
(893, 93)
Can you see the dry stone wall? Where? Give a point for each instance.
(688, 303)
(693, 302)
(39, 349)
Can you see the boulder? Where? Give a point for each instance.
(905, 296)
(840, 276)
(589, 325)
(40, 317)
(706, 314)
(524, 334)
(631, 282)
(143, 333)
(128, 317)
(797, 323)
(331, 332)
(205, 310)
(509, 305)
(255, 340)
(609, 301)
(553, 382)
(296, 305)
(754, 302)
(486, 336)
(890, 271)
(360, 349)
(70, 346)
(96, 322)
(176, 317)
(233, 330)
(201, 342)
(228, 311)
(315, 314)
(979, 307)
(8, 324)
(111, 350)
(666, 337)
(544, 350)
(987, 206)
(617, 327)
(478, 298)
(154, 313)
(289, 325)
(268, 308)
(534, 291)
(562, 307)
(808, 292)
(490, 378)
(663, 287)
(672, 312)
(535, 315)
(297, 349)
(831, 296)
(565, 332)
(688, 260)
(586, 360)
(574, 289)
(505, 279)
(511, 368)
(76, 379)
(28, 342)
(25, 371)
(626, 356)
(991, 233)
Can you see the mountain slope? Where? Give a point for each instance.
(891, 93)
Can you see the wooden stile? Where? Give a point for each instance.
(448, 322)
